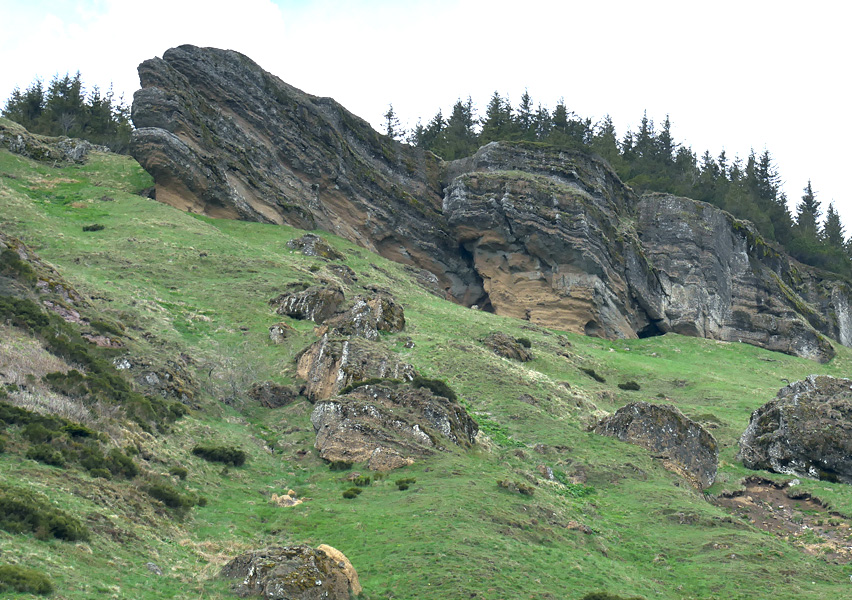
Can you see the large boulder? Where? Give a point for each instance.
(806, 431)
(367, 317)
(688, 448)
(292, 573)
(332, 363)
(388, 425)
(315, 303)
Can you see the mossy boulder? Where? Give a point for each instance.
(369, 316)
(388, 425)
(687, 448)
(316, 303)
(806, 431)
(507, 347)
(289, 573)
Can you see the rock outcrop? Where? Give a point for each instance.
(806, 431)
(388, 425)
(315, 303)
(272, 395)
(367, 317)
(292, 573)
(332, 363)
(520, 229)
(507, 347)
(686, 446)
(17, 140)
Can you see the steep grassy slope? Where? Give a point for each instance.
(197, 287)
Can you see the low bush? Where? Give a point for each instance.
(516, 486)
(630, 386)
(608, 596)
(11, 265)
(222, 454)
(100, 473)
(47, 454)
(362, 481)
(339, 465)
(436, 386)
(15, 578)
(352, 492)
(404, 484)
(593, 374)
(93, 227)
(23, 511)
(525, 342)
(178, 471)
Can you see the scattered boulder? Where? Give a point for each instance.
(338, 556)
(330, 364)
(388, 425)
(290, 573)
(280, 332)
(806, 431)
(313, 245)
(689, 449)
(367, 317)
(316, 303)
(272, 395)
(507, 347)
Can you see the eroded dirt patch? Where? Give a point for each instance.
(787, 511)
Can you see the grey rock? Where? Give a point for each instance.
(806, 431)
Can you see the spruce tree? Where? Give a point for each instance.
(832, 232)
(808, 213)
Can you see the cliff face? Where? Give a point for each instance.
(522, 229)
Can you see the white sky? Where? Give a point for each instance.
(732, 75)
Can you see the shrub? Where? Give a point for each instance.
(340, 465)
(11, 265)
(120, 464)
(78, 431)
(362, 481)
(593, 374)
(404, 484)
(630, 386)
(608, 596)
(2, 444)
(100, 473)
(525, 342)
(45, 453)
(436, 386)
(166, 494)
(93, 227)
(223, 454)
(22, 511)
(38, 433)
(179, 471)
(352, 492)
(26, 581)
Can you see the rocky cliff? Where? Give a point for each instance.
(521, 229)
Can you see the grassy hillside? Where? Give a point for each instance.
(195, 290)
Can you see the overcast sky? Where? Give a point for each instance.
(732, 75)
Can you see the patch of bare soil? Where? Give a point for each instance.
(793, 514)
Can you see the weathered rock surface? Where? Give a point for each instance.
(689, 449)
(507, 347)
(330, 364)
(367, 317)
(291, 573)
(805, 431)
(521, 229)
(316, 303)
(272, 395)
(18, 140)
(389, 425)
(313, 245)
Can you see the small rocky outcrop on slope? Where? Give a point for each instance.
(367, 317)
(272, 395)
(330, 364)
(17, 140)
(524, 230)
(313, 245)
(292, 573)
(507, 347)
(805, 431)
(315, 303)
(688, 448)
(388, 425)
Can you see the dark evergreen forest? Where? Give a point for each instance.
(649, 159)
(64, 108)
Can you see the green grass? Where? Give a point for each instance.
(180, 283)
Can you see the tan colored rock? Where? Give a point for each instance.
(338, 556)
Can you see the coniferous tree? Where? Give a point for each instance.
(808, 213)
(393, 129)
(525, 117)
(497, 124)
(833, 232)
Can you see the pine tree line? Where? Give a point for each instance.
(649, 159)
(63, 108)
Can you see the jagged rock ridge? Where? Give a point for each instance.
(521, 229)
